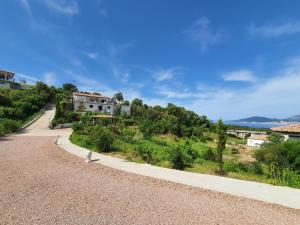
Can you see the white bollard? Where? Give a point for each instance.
(88, 156)
(56, 139)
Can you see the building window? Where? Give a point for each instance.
(100, 108)
(91, 106)
(103, 101)
(108, 107)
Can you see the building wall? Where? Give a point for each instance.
(125, 110)
(94, 107)
(254, 142)
(4, 84)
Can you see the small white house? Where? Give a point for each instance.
(256, 140)
(92, 102)
(95, 102)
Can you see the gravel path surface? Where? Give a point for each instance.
(42, 184)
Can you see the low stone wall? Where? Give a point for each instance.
(65, 125)
(32, 121)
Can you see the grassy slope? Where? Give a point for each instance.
(127, 151)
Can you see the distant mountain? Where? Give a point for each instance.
(258, 119)
(292, 119)
(261, 119)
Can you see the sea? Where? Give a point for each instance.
(257, 124)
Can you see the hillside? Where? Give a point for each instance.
(295, 118)
(261, 119)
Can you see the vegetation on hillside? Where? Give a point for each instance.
(64, 108)
(174, 137)
(18, 106)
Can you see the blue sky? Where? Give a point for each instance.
(228, 59)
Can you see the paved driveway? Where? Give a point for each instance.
(42, 184)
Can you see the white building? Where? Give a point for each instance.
(245, 133)
(256, 140)
(6, 78)
(93, 102)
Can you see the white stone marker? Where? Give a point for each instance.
(88, 156)
(56, 139)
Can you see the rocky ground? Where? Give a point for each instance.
(42, 184)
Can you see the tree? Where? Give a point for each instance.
(221, 144)
(23, 80)
(119, 96)
(70, 87)
(126, 103)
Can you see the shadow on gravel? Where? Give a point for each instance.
(95, 160)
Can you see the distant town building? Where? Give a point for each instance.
(6, 79)
(95, 102)
(289, 132)
(256, 140)
(245, 133)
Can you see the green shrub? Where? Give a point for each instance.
(177, 159)
(159, 142)
(127, 135)
(256, 168)
(209, 154)
(230, 166)
(77, 127)
(102, 138)
(8, 126)
(243, 167)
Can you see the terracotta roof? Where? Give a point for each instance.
(103, 116)
(259, 137)
(90, 95)
(295, 128)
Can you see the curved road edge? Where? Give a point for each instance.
(285, 196)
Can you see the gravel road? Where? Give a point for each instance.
(42, 184)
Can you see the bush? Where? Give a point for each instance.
(77, 127)
(230, 166)
(8, 126)
(209, 154)
(127, 135)
(256, 168)
(102, 138)
(177, 159)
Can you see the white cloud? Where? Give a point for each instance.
(164, 74)
(50, 78)
(26, 6)
(91, 55)
(67, 7)
(201, 32)
(274, 30)
(272, 97)
(28, 78)
(84, 83)
(240, 75)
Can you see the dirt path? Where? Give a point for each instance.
(42, 184)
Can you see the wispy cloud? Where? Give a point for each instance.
(202, 33)
(67, 7)
(270, 30)
(85, 83)
(240, 75)
(91, 55)
(50, 78)
(28, 78)
(164, 74)
(25, 5)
